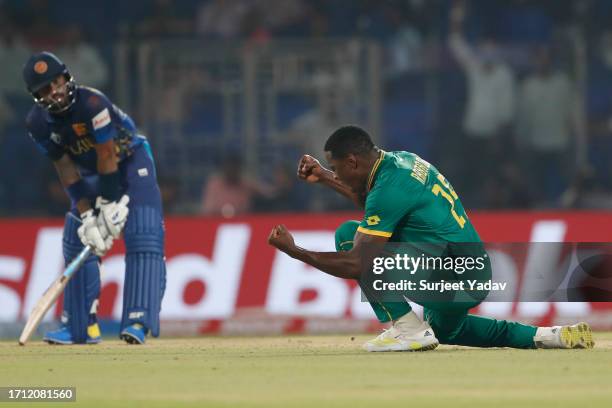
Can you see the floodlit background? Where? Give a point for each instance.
(511, 99)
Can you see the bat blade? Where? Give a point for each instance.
(50, 296)
(42, 307)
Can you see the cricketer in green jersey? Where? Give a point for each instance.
(406, 199)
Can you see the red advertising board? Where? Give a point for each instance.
(223, 277)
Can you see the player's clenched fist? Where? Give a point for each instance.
(309, 169)
(281, 238)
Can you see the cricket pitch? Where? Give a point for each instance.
(308, 371)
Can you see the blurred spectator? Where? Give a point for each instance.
(288, 194)
(181, 87)
(281, 15)
(222, 18)
(165, 19)
(511, 189)
(265, 18)
(22, 189)
(319, 25)
(405, 47)
(35, 17)
(254, 27)
(587, 191)
(600, 109)
(198, 100)
(14, 51)
(229, 193)
(490, 105)
(545, 128)
(84, 60)
(169, 193)
(336, 91)
(311, 130)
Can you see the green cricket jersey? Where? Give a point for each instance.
(409, 200)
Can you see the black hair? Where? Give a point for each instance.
(349, 139)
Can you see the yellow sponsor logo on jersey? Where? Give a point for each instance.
(80, 129)
(373, 220)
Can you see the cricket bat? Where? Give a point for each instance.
(51, 294)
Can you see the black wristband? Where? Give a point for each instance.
(109, 186)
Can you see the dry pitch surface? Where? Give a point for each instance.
(313, 371)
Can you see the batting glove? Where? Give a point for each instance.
(113, 215)
(90, 234)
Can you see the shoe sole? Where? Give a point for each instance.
(578, 336)
(57, 342)
(67, 343)
(412, 347)
(130, 339)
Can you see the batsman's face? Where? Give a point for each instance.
(348, 172)
(56, 93)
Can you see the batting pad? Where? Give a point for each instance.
(145, 272)
(84, 287)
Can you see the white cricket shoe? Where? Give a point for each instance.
(394, 339)
(577, 336)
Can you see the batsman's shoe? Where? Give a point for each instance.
(63, 336)
(393, 339)
(578, 336)
(134, 334)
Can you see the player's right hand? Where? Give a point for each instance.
(90, 234)
(309, 169)
(281, 238)
(113, 215)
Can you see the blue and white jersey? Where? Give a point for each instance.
(92, 119)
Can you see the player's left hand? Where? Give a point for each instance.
(90, 234)
(281, 238)
(113, 215)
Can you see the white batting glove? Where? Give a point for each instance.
(112, 216)
(90, 234)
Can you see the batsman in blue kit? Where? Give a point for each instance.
(107, 170)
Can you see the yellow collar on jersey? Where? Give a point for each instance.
(374, 169)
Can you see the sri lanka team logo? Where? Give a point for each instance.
(80, 129)
(40, 67)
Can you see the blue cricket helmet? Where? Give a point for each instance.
(39, 71)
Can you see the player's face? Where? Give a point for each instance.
(56, 93)
(347, 172)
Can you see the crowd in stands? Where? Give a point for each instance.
(522, 120)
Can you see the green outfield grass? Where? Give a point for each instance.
(313, 371)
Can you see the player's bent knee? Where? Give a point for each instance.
(345, 234)
(144, 231)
